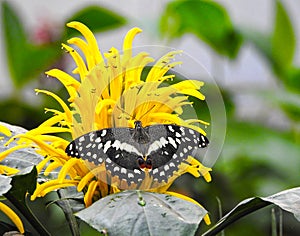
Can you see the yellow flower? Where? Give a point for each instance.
(110, 92)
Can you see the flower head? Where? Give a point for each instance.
(111, 92)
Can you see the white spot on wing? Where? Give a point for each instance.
(130, 175)
(107, 146)
(171, 128)
(116, 144)
(103, 133)
(81, 139)
(191, 131)
(129, 148)
(98, 140)
(172, 141)
(163, 141)
(172, 164)
(153, 147)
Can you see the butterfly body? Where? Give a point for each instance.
(130, 152)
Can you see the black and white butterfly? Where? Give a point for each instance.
(129, 152)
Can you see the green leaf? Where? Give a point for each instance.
(208, 20)
(4, 184)
(288, 200)
(70, 201)
(23, 183)
(143, 213)
(279, 46)
(292, 79)
(98, 19)
(283, 40)
(25, 60)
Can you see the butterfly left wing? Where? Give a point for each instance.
(112, 146)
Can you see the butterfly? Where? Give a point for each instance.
(129, 152)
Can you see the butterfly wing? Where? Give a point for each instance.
(114, 147)
(170, 146)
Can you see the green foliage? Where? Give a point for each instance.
(283, 41)
(278, 47)
(98, 19)
(256, 159)
(208, 20)
(25, 60)
(288, 200)
(140, 213)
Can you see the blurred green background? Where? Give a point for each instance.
(251, 50)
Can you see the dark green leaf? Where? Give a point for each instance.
(143, 213)
(25, 60)
(23, 183)
(288, 200)
(4, 184)
(96, 18)
(71, 201)
(292, 79)
(208, 20)
(283, 40)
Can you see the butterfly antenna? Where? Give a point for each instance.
(147, 112)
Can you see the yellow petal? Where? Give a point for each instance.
(88, 197)
(188, 84)
(52, 166)
(60, 101)
(44, 146)
(5, 130)
(127, 44)
(6, 170)
(51, 185)
(84, 47)
(66, 169)
(13, 216)
(81, 68)
(90, 38)
(11, 150)
(67, 80)
(192, 92)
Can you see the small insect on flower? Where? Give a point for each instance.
(133, 153)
